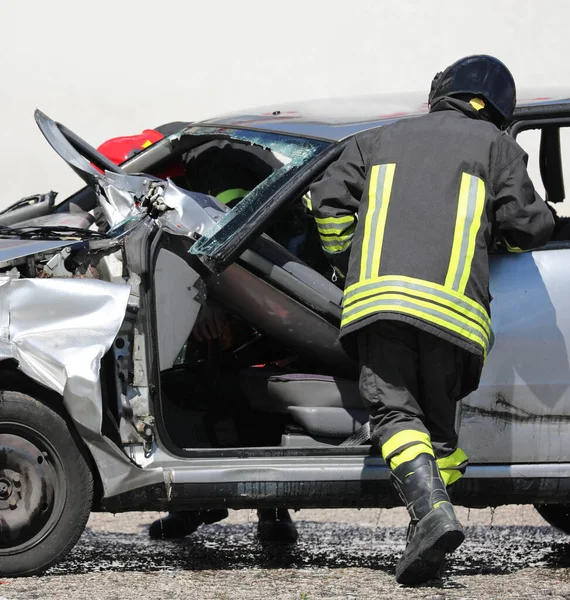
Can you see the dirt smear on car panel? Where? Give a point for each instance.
(505, 411)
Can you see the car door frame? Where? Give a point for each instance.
(522, 432)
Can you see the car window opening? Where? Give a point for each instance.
(548, 148)
(242, 170)
(249, 385)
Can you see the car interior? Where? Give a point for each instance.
(546, 145)
(277, 376)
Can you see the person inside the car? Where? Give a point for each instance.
(227, 170)
(408, 212)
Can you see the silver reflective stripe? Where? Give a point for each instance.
(479, 316)
(470, 207)
(374, 222)
(469, 217)
(337, 244)
(419, 309)
(335, 228)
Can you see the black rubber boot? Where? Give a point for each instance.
(434, 529)
(180, 524)
(275, 525)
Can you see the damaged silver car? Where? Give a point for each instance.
(109, 403)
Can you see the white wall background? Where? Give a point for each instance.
(108, 68)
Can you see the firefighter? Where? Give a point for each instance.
(408, 213)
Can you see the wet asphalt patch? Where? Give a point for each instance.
(495, 550)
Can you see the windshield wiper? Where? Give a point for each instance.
(48, 232)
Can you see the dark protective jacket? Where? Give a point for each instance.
(416, 204)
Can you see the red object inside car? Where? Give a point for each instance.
(120, 149)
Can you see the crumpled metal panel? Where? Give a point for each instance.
(125, 197)
(183, 213)
(117, 199)
(190, 212)
(58, 330)
(116, 190)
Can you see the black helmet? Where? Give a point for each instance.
(478, 75)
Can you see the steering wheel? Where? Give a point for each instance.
(75, 151)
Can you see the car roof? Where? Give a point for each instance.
(337, 118)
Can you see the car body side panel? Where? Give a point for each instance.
(58, 330)
(521, 411)
(333, 481)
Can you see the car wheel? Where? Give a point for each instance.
(557, 515)
(46, 486)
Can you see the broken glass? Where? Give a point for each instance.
(293, 152)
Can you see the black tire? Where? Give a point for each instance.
(46, 486)
(557, 515)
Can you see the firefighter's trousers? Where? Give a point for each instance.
(411, 381)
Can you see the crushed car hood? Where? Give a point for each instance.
(12, 249)
(124, 198)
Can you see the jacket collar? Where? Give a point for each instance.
(447, 103)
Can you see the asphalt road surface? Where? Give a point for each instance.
(341, 554)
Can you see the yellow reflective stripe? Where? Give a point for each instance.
(467, 225)
(335, 230)
(450, 477)
(454, 460)
(451, 467)
(334, 220)
(408, 454)
(381, 224)
(228, 196)
(368, 220)
(433, 310)
(458, 232)
(307, 202)
(336, 245)
(473, 231)
(146, 144)
(428, 284)
(380, 289)
(425, 311)
(515, 249)
(407, 437)
(398, 308)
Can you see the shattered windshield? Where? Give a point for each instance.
(287, 154)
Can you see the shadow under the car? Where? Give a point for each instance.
(487, 550)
